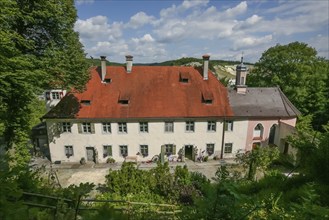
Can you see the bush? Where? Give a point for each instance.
(110, 160)
(83, 161)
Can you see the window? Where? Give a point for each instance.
(107, 151)
(86, 127)
(169, 149)
(207, 97)
(169, 126)
(143, 127)
(144, 149)
(210, 149)
(123, 102)
(242, 80)
(122, 127)
(107, 80)
(66, 126)
(184, 77)
(123, 150)
(228, 125)
(211, 126)
(68, 151)
(190, 126)
(258, 131)
(106, 127)
(228, 148)
(85, 102)
(55, 95)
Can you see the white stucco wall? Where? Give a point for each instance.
(238, 137)
(133, 139)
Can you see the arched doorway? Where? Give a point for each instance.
(271, 138)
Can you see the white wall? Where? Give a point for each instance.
(238, 137)
(134, 138)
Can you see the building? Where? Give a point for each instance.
(146, 110)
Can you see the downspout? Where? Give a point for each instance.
(223, 137)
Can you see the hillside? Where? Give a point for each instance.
(221, 68)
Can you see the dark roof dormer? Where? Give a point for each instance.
(184, 77)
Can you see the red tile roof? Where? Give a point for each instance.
(151, 91)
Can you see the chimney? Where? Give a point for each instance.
(103, 67)
(129, 63)
(205, 66)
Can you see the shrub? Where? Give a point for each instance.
(110, 160)
(83, 161)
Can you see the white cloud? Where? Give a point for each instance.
(98, 28)
(191, 26)
(247, 42)
(80, 2)
(115, 50)
(139, 20)
(147, 38)
(194, 3)
(239, 9)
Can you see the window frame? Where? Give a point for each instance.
(122, 128)
(66, 127)
(210, 145)
(143, 127)
(169, 126)
(229, 125)
(169, 149)
(144, 150)
(230, 146)
(68, 150)
(86, 127)
(106, 128)
(211, 126)
(55, 95)
(106, 151)
(189, 126)
(123, 148)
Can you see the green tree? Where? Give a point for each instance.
(258, 159)
(300, 73)
(38, 49)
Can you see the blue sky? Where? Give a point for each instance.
(155, 31)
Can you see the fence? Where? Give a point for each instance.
(127, 207)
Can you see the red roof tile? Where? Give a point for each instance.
(152, 91)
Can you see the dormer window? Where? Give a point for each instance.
(207, 97)
(184, 77)
(123, 102)
(107, 80)
(124, 98)
(85, 102)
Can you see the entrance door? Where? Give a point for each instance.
(188, 151)
(90, 154)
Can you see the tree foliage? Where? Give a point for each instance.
(38, 49)
(300, 73)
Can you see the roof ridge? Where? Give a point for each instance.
(286, 101)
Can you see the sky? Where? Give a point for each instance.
(156, 31)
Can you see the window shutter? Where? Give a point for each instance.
(92, 126)
(47, 95)
(79, 127)
(174, 149)
(109, 150)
